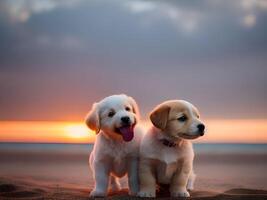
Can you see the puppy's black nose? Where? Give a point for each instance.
(201, 128)
(125, 120)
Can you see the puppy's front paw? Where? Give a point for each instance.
(190, 188)
(146, 193)
(190, 183)
(180, 193)
(95, 193)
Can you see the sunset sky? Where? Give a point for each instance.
(57, 57)
(218, 131)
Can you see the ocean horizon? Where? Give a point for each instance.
(203, 148)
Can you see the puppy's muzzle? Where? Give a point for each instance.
(125, 120)
(201, 129)
(127, 129)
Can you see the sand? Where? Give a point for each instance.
(59, 175)
(14, 189)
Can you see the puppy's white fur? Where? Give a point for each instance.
(112, 157)
(161, 164)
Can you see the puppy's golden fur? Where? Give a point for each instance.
(166, 154)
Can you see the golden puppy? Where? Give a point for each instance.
(166, 154)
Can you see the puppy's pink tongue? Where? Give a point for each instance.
(127, 133)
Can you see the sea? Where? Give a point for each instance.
(199, 148)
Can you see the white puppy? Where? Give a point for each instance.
(116, 148)
(166, 154)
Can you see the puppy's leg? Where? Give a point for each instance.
(115, 184)
(147, 178)
(180, 179)
(101, 176)
(132, 168)
(191, 181)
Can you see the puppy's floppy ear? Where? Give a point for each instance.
(134, 106)
(159, 116)
(92, 119)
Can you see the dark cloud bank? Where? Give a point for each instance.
(57, 58)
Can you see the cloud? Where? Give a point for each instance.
(58, 55)
(183, 16)
(254, 4)
(62, 42)
(185, 19)
(251, 8)
(22, 10)
(189, 17)
(140, 6)
(249, 20)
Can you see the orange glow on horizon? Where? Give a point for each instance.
(51, 132)
(218, 130)
(236, 130)
(76, 131)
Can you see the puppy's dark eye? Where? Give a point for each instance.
(111, 113)
(182, 119)
(127, 108)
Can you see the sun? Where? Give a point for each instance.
(77, 131)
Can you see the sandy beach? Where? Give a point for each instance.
(64, 174)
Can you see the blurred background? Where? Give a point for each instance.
(57, 57)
